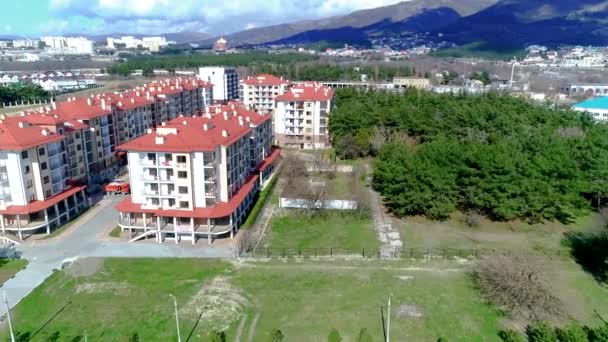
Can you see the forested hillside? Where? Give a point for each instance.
(493, 154)
(17, 93)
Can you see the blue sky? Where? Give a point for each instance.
(42, 17)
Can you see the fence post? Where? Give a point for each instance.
(363, 253)
(315, 252)
(283, 252)
(443, 257)
(300, 253)
(267, 253)
(331, 252)
(476, 255)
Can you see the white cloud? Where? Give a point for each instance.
(213, 16)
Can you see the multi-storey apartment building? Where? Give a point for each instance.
(197, 177)
(47, 156)
(225, 82)
(37, 189)
(301, 116)
(259, 92)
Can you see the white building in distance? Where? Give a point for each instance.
(225, 82)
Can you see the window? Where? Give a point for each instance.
(24, 155)
(77, 135)
(181, 159)
(308, 121)
(47, 194)
(45, 179)
(184, 205)
(100, 155)
(43, 166)
(182, 174)
(29, 183)
(78, 147)
(27, 169)
(41, 151)
(183, 190)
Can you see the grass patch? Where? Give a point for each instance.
(480, 50)
(125, 296)
(58, 231)
(263, 197)
(128, 296)
(10, 267)
(116, 232)
(296, 231)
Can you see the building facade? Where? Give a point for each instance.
(259, 92)
(197, 177)
(596, 107)
(225, 82)
(301, 117)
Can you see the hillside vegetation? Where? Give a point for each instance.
(495, 155)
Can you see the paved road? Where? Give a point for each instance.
(87, 238)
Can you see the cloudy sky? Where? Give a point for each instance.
(41, 17)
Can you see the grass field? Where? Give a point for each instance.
(293, 230)
(10, 267)
(123, 297)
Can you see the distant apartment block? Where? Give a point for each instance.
(301, 117)
(48, 156)
(225, 82)
(197, 177)
(412, 82)
(586, 90)
(259, 92)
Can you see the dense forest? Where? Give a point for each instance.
(149, 63)
(291, 66)
(493, 154)
(22, 92)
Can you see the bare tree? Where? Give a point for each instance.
(514, 284)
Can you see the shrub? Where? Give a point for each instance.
(217, 336)
(571, 333)
(334, 336)
(277, 336)
(364, 336)
(540, 332)
(511, 336)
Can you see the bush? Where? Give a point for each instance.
(599, 334)
(540, 332)
(334, 336)
(277, 336)
(217, 336)
(571, 333)
(511, 336)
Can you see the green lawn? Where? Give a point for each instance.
(296, 231)
(304, 300)
(10, 267)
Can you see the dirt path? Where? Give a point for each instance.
(252, 327)
(239, 330)
(388, 236)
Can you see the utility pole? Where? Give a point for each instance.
(388, 320)
(179, 338)
(85, 337)
(8, 316)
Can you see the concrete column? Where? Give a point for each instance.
(57, 215)
(192, 229)
(158, 234)
(209, 231)
(129, 225)
(2, 224)
(67, 208)
(145, 223)
(175, 229)
(231, 227)
(19, 227)
(46, 219)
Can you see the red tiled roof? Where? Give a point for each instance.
(17, 134)
(221, 209)
(309, 91)
(36, 206)
(265, 79)
(82, 109)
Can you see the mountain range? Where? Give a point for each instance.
(512, 23)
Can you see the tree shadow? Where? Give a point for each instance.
(194, 326)
(590, 251)
(51, 319)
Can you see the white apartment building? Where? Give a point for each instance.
(197, 177)
(149, 43)
(259, 92)
(301, 117)
(69, 45)
(37, 191)
(25, 43)
(225, 82)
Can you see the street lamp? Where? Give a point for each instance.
(179, 338)
(8, 316)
